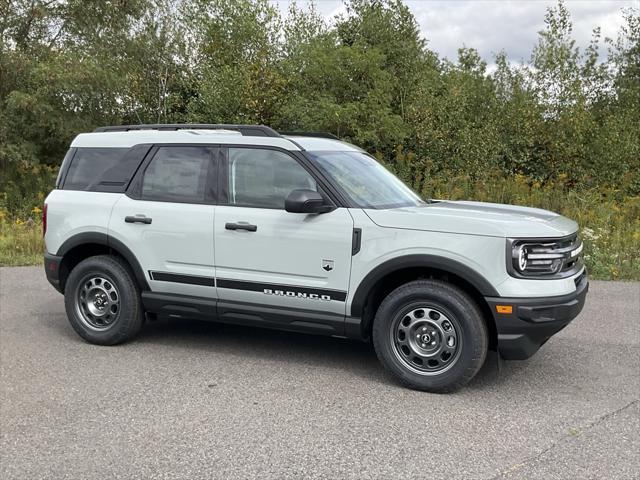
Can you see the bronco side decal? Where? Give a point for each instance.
(291, 291)
(284, 290)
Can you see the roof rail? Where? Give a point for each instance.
(245, 130)
(311, 134)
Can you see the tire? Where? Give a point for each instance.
(430, 336)
(102, 301)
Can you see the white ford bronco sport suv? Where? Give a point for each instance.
(301, 232)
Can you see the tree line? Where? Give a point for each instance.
(565, 114)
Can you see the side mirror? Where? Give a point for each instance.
(306, 201)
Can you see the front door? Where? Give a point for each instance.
(269, 258)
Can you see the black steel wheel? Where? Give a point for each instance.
(426, 338)
(97, 302)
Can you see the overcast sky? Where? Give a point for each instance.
(494, 25)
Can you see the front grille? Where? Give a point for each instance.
(555, 257)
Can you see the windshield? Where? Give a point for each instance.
(364, 180)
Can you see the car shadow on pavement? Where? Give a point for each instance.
(357, 358)
(265, 344)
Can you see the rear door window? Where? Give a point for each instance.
(179, 174)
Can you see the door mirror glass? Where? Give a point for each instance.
(305, 201)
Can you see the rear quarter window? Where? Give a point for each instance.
(64, 167)
(90, 166)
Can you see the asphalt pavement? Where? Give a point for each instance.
(197, 400)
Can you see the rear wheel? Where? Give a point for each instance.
(102, 301)
(430, 335)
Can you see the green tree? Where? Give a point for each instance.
(454, 117)
(235, 55)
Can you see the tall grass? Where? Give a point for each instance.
(610, 224)
(21, 242)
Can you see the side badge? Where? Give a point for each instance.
(327, 265)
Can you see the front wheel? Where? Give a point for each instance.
(430, 335)
(102, 301)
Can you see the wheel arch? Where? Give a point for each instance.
(88, 244)
(391, 274)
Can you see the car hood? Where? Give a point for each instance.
(476, 218)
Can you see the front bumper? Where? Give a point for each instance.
(534, 320)
(52, 270)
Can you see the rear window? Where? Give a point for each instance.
(90, 166)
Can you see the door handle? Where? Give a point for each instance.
(137, 219)
(241, 226)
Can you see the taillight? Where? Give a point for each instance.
(44, 219)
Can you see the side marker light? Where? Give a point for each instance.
(507, 309)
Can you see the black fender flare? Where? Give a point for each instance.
(418, 260)
(111, 243)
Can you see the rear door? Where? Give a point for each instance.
(166, 219)
(271, 259)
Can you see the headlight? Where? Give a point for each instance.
(522, 258)
(544, 258)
